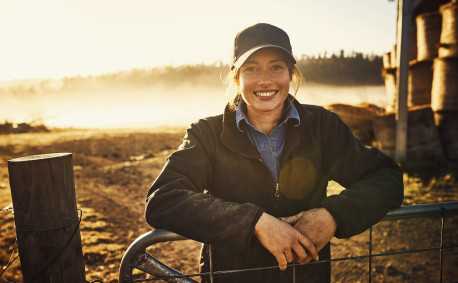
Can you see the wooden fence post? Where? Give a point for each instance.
(46, 218)
(405, 10)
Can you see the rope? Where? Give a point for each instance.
(289, 265)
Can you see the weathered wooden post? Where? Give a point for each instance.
(405, 10)
(46, 218)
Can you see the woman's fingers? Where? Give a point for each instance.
(305, 260)
(283, 241)
(300, 254)
(309, 246)
(288, 255)
(282, 263)
(283, 258)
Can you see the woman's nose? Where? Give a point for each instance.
(264, 78)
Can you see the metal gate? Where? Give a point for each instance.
(136, 256)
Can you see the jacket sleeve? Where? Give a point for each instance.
(178, 199)
(373, 181)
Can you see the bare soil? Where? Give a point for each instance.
(114, 169)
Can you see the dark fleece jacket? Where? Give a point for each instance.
(215, 187)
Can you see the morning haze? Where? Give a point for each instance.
(174, 96)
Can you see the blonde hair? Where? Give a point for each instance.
(231, 84)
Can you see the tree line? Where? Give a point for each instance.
(354, 69)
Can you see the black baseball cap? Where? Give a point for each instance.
(259, 36)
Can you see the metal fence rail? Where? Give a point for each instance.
(136, 256)
(416, 211)
(422, 210)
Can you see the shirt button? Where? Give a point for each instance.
(272, 148)
(260, 160)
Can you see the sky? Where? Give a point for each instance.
(59, 38)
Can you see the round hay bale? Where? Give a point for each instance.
(356, 115)
(444, 92)
(389, 75)
(424, 149)
(358, 118)
(423, 138)
(394, 62)
(385, 133)
(428, 35)
(413, 49)
(387, 60)
(448, 50)
(449, 35)
(420, 83)
(447, 127)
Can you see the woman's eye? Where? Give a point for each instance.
(277, 68)
(250, 69)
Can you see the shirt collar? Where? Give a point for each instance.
(291, 113)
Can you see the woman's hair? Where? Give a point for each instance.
(231, 84)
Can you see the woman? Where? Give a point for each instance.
(251, 183)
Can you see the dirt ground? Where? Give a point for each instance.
(114, 169)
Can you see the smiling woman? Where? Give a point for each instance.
(251, 183)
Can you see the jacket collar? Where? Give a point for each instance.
(238, 141)
(290, 113)
(235, 139)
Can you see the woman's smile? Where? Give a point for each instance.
(265, 93)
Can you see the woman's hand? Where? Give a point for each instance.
(283, 241)
(316, 224)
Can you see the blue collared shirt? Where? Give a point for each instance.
(270, 147)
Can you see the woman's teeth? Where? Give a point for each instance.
(265, 93)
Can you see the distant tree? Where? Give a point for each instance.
(356, 69)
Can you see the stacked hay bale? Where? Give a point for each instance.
(424, 148)
(389, 75)
(420, 69)
(423, 145)
(444, 93)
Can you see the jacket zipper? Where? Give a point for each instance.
(277, 185)
(277, 189)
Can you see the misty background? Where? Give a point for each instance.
(176, 95)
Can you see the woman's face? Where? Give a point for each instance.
(264, 81)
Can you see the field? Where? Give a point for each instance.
(114, 169)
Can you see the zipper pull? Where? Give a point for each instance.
(277, 190)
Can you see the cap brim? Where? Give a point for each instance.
(239, 62)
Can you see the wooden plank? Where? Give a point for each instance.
(46, 218)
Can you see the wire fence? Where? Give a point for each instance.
(138, 248)
(441, 210)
